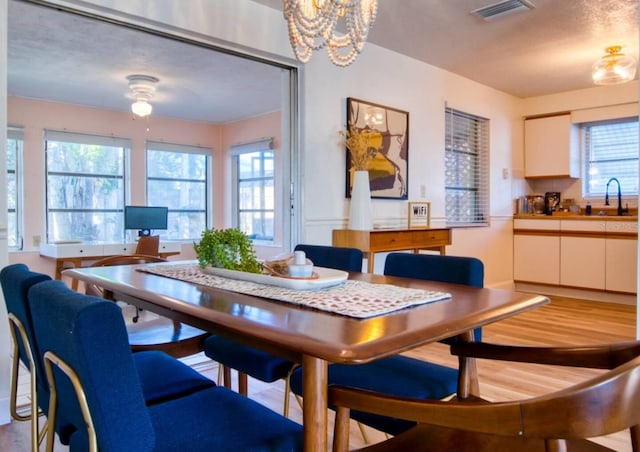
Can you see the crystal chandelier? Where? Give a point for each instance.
(613, 68)
(312, 26)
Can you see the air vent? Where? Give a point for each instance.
(502, 9)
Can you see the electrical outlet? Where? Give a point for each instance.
(36, 240)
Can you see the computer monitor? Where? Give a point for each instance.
(145, 218)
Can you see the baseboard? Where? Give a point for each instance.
(582, 294)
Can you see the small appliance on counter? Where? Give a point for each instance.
(551, 201)
(538, 204)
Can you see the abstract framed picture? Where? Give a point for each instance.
(419, 215)
(389, 165)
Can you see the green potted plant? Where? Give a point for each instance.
(229, 248)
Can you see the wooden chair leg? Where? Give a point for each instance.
(243, 386)
(635, 438)
(226, 372)
(363, 432)
(341, 430)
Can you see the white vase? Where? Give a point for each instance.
(360, 209)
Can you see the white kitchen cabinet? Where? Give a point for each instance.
(551, 147)
(536, 259)
(621, 264)
(582, 259)
(622, 258)
(596, 254)
(582, 262)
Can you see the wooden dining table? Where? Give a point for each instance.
(313, 337)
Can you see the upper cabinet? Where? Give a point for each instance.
(551, 147)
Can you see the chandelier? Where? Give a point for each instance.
(312, 26)
(142, 90)
(613, 68)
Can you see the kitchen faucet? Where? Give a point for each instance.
(606, 196)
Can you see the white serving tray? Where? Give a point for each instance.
(327, 277)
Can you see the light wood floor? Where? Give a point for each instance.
(564, 321)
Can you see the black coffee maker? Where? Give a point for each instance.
(551, 202)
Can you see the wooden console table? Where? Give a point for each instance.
(384, 240)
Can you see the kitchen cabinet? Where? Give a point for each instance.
(592, 253)
(582, 257)
(536, 256)
(551, 147)
(622, 259)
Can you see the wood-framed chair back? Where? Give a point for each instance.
(148, 245)
(172, 337)
(560, 421)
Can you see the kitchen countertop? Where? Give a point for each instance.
(576, 216)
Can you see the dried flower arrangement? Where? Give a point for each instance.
(362, 144)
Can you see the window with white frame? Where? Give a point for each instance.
(85, 186)
(610, 149)
(466, 169)
(178, 177)
(15, 141)
(254, 194)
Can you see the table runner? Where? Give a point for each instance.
(357, 299)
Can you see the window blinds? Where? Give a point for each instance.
(171, 147)
(466, 169)
(610, 150)
(263, 144)
(82, 138)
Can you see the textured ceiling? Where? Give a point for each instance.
(68, 58)
(548, 49)
(543, 51)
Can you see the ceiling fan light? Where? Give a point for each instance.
(614, 67)
(141, 108)
(142, 87)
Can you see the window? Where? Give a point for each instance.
(85, 187)
(178, 178)
(466, 169)
(254, 189)
(610, 150)
(14, 188)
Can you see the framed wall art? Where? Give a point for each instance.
(387, 131)
(419, 215)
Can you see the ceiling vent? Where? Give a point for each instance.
(502, 9)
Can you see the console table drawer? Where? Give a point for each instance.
(384, 240)
(393, 240)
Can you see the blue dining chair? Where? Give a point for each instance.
(160, 377)
(95, 384)
(401, 375)
(264, 366)
(16, 280)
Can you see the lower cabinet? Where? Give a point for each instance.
(582, 262)
(536, 259)
(590, 254)
(621, 265)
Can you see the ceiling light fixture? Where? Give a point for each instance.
(613, 68)
(142, 90)
(312, 26)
